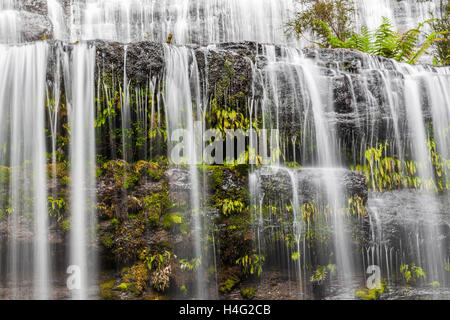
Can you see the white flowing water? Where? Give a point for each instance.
(182, 107)
(9, 22)
(22, 138)
(82, 159)
(211, 21)
(291, 85)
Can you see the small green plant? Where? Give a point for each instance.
(191, 265)
(171, 219)
(435, 284)
(447, 267)
(160, 266)
(229, 206)
(411, 274)
(309, 211)
(229, 284)
(251, 264)
(56, 207)
(371, 294)
(323, 273)
(248, 293)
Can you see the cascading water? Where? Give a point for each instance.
(183, 107)
(333, 109)
(83, 202)
(24, 149)
(9, 23)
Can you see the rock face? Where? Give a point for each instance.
(35, 26)
(400, 215)
(310, 183)
(31, 21)
(360, 89)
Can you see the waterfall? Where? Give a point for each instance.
(183, 107)
(9, 23)
(24, 150)
(333, 109)
(82, 158)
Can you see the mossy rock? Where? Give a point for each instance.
(229, 284)
(369, 294)
(106, 290)
(135, 279)
(248, 293)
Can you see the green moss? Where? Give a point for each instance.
(66, 224)
(248, 293)
(229, 284)
(124, 286)
(156, 205)
(216, 176)
(4, 175)
(106, 290)
(107, 241)
(371, 294)
(115, 223)
(129, 240)
(170, 220)
(131, 179)
(135, 279)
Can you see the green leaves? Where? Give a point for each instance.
(412, 273)
(251, 264)
(384, 41)
(322, 273)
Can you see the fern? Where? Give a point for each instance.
(362, 42)
(386, 40)
(432, 38)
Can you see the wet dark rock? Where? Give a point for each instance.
(400, 216)
(34, 6)
(35, 26)
(178, 179)
(311, 183)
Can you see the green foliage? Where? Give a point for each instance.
(388, 173)
(191, 265)
(229, 206)
(251, 264)
(356, 206)
(371, 294)
(171, 219)
(323, 273)
(160, 266)
(129, 240)
(156, 205)
(330, 22)
(411, 273)
(56, 207)
(336, 15)
(248, 293)
(441, 25)
(309, 211)
(447, 267)
(106, 288)
(385, 42)
(107, 241)
(435, 284)
(135, 279)
(229, 284)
